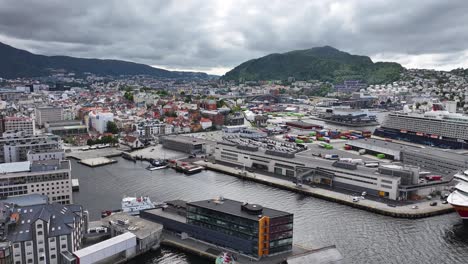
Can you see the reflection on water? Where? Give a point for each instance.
(361, 237)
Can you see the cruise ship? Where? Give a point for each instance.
(349, 117)
(434, 127)
(459, 198)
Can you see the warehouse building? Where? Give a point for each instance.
(342, 175)
(190, 145)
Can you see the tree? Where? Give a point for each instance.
(220, 103)
(128, 95)
(112, 128)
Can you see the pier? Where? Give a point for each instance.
(404, 211)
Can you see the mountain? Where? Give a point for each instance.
(321, 63)
(20, 63)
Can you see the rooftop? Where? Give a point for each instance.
(235, 208)
(138, 226)
(187, 140)
(60, 219)
(27, 200)
(15, 167)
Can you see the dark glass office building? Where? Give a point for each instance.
(264, 231)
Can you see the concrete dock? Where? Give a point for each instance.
(94, 153)
(403, 211)
(96, 162)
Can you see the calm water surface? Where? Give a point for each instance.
(361, 237)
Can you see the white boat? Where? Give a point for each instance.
(459, 198)
(133, 205)
(151, 168)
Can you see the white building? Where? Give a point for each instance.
(14, 149)
(206, 123)
(48, 113)
(98, 121)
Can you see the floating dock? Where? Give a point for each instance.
(96, 162)
(404, 211)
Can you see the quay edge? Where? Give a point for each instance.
(408, 215)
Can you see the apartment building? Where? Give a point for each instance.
(16, 148)
(40, 233)
(25, 124)
(48, 113)
(47, 177)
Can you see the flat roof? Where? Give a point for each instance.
(187, 140)
(233, 207)
(27, 200)
(15, 167)
(302, 159)
(108, 243)
(140, 227)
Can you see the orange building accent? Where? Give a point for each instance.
(263, 236)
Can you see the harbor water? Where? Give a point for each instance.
(361, 236)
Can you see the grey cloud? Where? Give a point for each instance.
(202, 34)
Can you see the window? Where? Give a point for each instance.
(39, 226)
(53, 256)
(64, 246)
(16, 245)
(30, 261)
(41, 259)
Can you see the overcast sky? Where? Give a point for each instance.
(215, 36)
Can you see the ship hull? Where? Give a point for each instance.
(445, 142)
(462, 211)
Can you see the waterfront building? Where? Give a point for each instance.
(16, 147)
(45, 177)
(250, 229)
(40, 233)
(303, 125)
(25, 124)
(189, 145)
(341, 175)
(48, 113)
